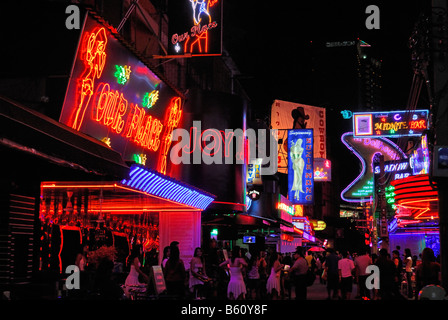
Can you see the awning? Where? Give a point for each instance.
(144, 191)
(30, 132)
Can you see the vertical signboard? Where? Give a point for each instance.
(300, 166)
(253, 173)
(284, 116)
(195, 27)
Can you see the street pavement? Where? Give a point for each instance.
(318, 291)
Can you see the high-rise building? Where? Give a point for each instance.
(345, 75)
(369, 77)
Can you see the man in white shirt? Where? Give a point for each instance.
(346, 267)
(361, 263)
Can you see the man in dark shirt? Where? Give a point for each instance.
(387, 274)
(331, 266)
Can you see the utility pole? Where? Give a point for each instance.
(439, 113)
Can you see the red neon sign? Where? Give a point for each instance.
(174, 115)
(94, 59)
(115, 111)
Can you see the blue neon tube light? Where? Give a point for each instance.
(154, 183)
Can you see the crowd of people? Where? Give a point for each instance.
(267, 274)
(237, 274)
(400, 276)
(221, 272)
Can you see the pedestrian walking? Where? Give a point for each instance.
(262, 270)
(398, 272)
(387, 274)
(345, 268)
(298, 274)
(236, 289)
(253, 277)
(198, 276)
(273, 287)
(175, 274)
(408, 270)
(427, 272)
(361, 263)
(331, 267)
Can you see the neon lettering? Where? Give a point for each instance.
(110, 107)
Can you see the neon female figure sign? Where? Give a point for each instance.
(202, 19)
(94, 60)
(300, 166)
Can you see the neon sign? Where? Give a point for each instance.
(300, 166)
(253, 174)
(149, 99)
(154, 184)
(322, 169)
(365, 149)
(122, 73)
(111, 94)
(285, 208)
(390, 124)
(195, 27)
(397, 169)
(419, 160)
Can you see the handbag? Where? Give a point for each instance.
(324, 275)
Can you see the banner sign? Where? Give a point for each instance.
(390, 123)
(195, 27)
(253, 173)
(300, 166)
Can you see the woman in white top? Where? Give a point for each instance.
(132, 280)
(197, 274)
(236, 288)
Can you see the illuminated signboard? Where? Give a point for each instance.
(322, 169)
(318, 225)
(282, 119)
(253, 173)
(284, 205)
(397, 169)
(114, 97)
(390, 123)
(300, 166)
(365, 149)
(298, 210)
(195, 27)
(419, 160)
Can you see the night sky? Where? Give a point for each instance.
(274, 45)
(271, 43)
